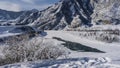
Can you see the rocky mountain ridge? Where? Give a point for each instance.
(73, 14)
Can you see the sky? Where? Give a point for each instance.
(19, 5)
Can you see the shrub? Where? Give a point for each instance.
(30, 50)
(108, 38)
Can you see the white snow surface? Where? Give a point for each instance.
(109, 59)
(112, 49)
(66, 63)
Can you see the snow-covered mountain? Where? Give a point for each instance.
(73, 14)
(8, 15)
(11, 17)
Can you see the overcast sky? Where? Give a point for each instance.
(18, 5)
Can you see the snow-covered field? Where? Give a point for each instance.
(78, 59)
(112, 49)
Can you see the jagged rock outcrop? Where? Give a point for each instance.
(106, 12)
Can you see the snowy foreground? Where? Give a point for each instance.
(78, 59)
(66, 63)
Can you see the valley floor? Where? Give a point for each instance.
(112, 50)
(110, 58)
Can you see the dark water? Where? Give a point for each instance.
(77, 46)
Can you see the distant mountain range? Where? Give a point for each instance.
(9, 15)
(67, 14)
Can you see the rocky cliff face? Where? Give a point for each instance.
(106, 12)
(73, 14)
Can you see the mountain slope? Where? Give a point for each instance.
(62, 14)
(107, 12)
(9, 15)
(73, 14)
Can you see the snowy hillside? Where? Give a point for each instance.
(106, 12)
